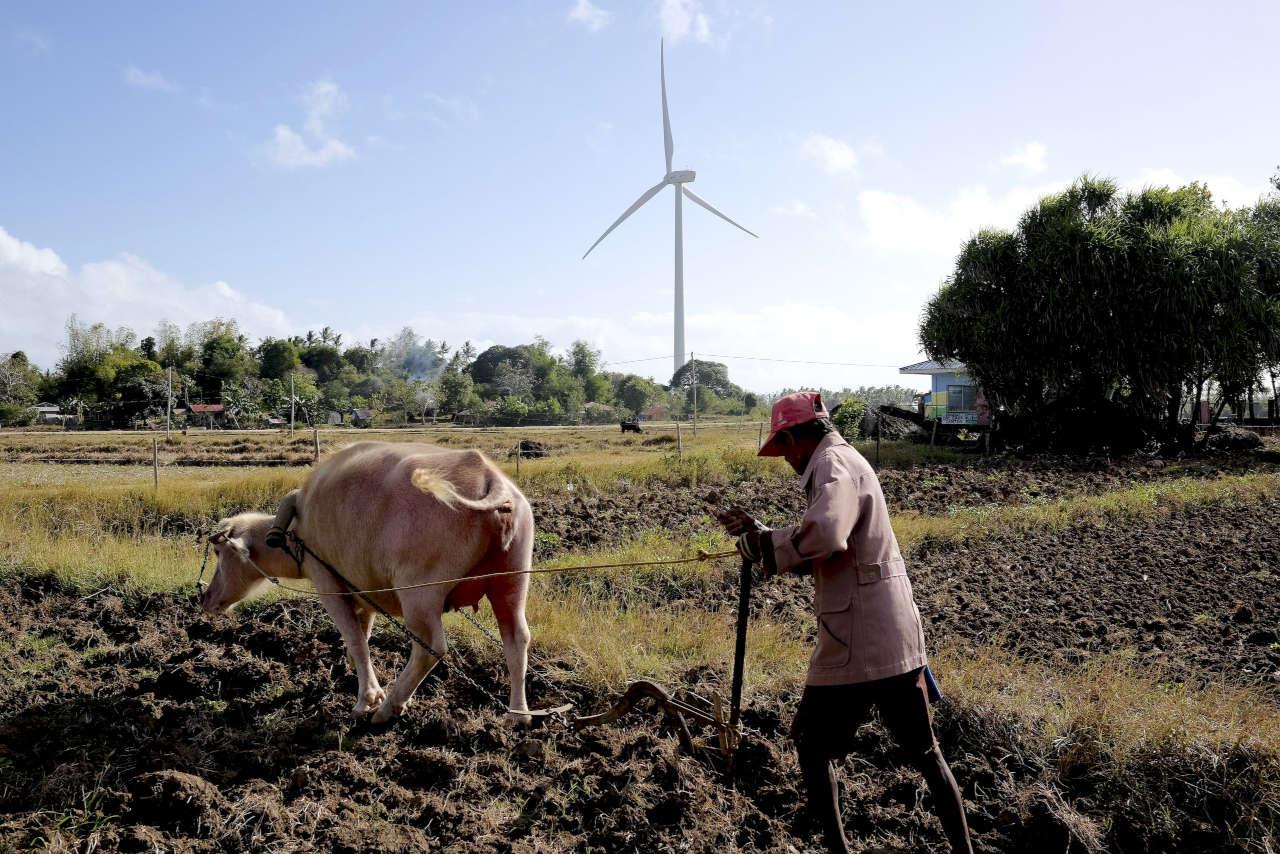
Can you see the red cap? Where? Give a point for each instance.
(798, 408)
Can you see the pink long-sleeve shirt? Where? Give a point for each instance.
(868, 624)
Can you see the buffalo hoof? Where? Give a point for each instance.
(370, 701)
(515, 720)
(387, 712)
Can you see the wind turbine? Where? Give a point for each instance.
(680, 181)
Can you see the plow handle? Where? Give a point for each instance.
(740, 646)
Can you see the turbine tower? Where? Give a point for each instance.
(680, 181)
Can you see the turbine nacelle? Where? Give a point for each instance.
(682, 176)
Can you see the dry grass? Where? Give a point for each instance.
(600, 452)
(1108, 710)
(92, 511)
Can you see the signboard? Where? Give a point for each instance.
(960, 417)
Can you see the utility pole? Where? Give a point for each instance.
(291, 400)
(694, 363)
(168, 406)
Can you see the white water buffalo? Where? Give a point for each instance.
(389, 515)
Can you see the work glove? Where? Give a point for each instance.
(737, 521)
(757, 547)
(753, 540)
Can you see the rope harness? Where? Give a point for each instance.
(298, 550)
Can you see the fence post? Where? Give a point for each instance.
(155, 462)
(877, 440)
(760, 438)
(519, 454)
(679, 443)
(934, 434)
(315, 443)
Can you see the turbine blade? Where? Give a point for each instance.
(701, 201)
(635, 206)
(666, 119)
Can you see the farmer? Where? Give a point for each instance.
(870, 648)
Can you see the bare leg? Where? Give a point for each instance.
(515, 646)
(423, 618)
(824, 796)
(947, 798)
(354, 628)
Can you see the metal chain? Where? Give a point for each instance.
(533, 656)
(303, 548)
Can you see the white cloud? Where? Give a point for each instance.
(795, 208)
(1225, 188)
(1030, 158)
(682, 19)
(40, 292)
(589, 15)
(287, 148)
(31, 41)
(901, 223)
(835, 156)
(152, 81)
(825, 333)
(323, 102)
(600, 136)
(451, 111)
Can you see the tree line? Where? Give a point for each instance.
(1109, 317)
(112, 378)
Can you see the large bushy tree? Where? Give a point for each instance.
(1104, 312)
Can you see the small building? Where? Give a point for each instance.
(207, 414)
(49, 413)
(955, 397)
(362, 418)
(334, 419)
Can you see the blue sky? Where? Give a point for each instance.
(445, 165)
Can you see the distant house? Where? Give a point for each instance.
(334, 418)
(362, 418)
(206, 414)
(955, 397)
(49, 413)
(596, 413)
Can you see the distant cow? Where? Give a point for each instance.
(391, 515)
(631, 427)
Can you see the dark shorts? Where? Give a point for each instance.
(830, 715)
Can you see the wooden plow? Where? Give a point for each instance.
(683, 706)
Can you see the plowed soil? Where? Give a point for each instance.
(1190, 594)
(584, 518)
(138, 724)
